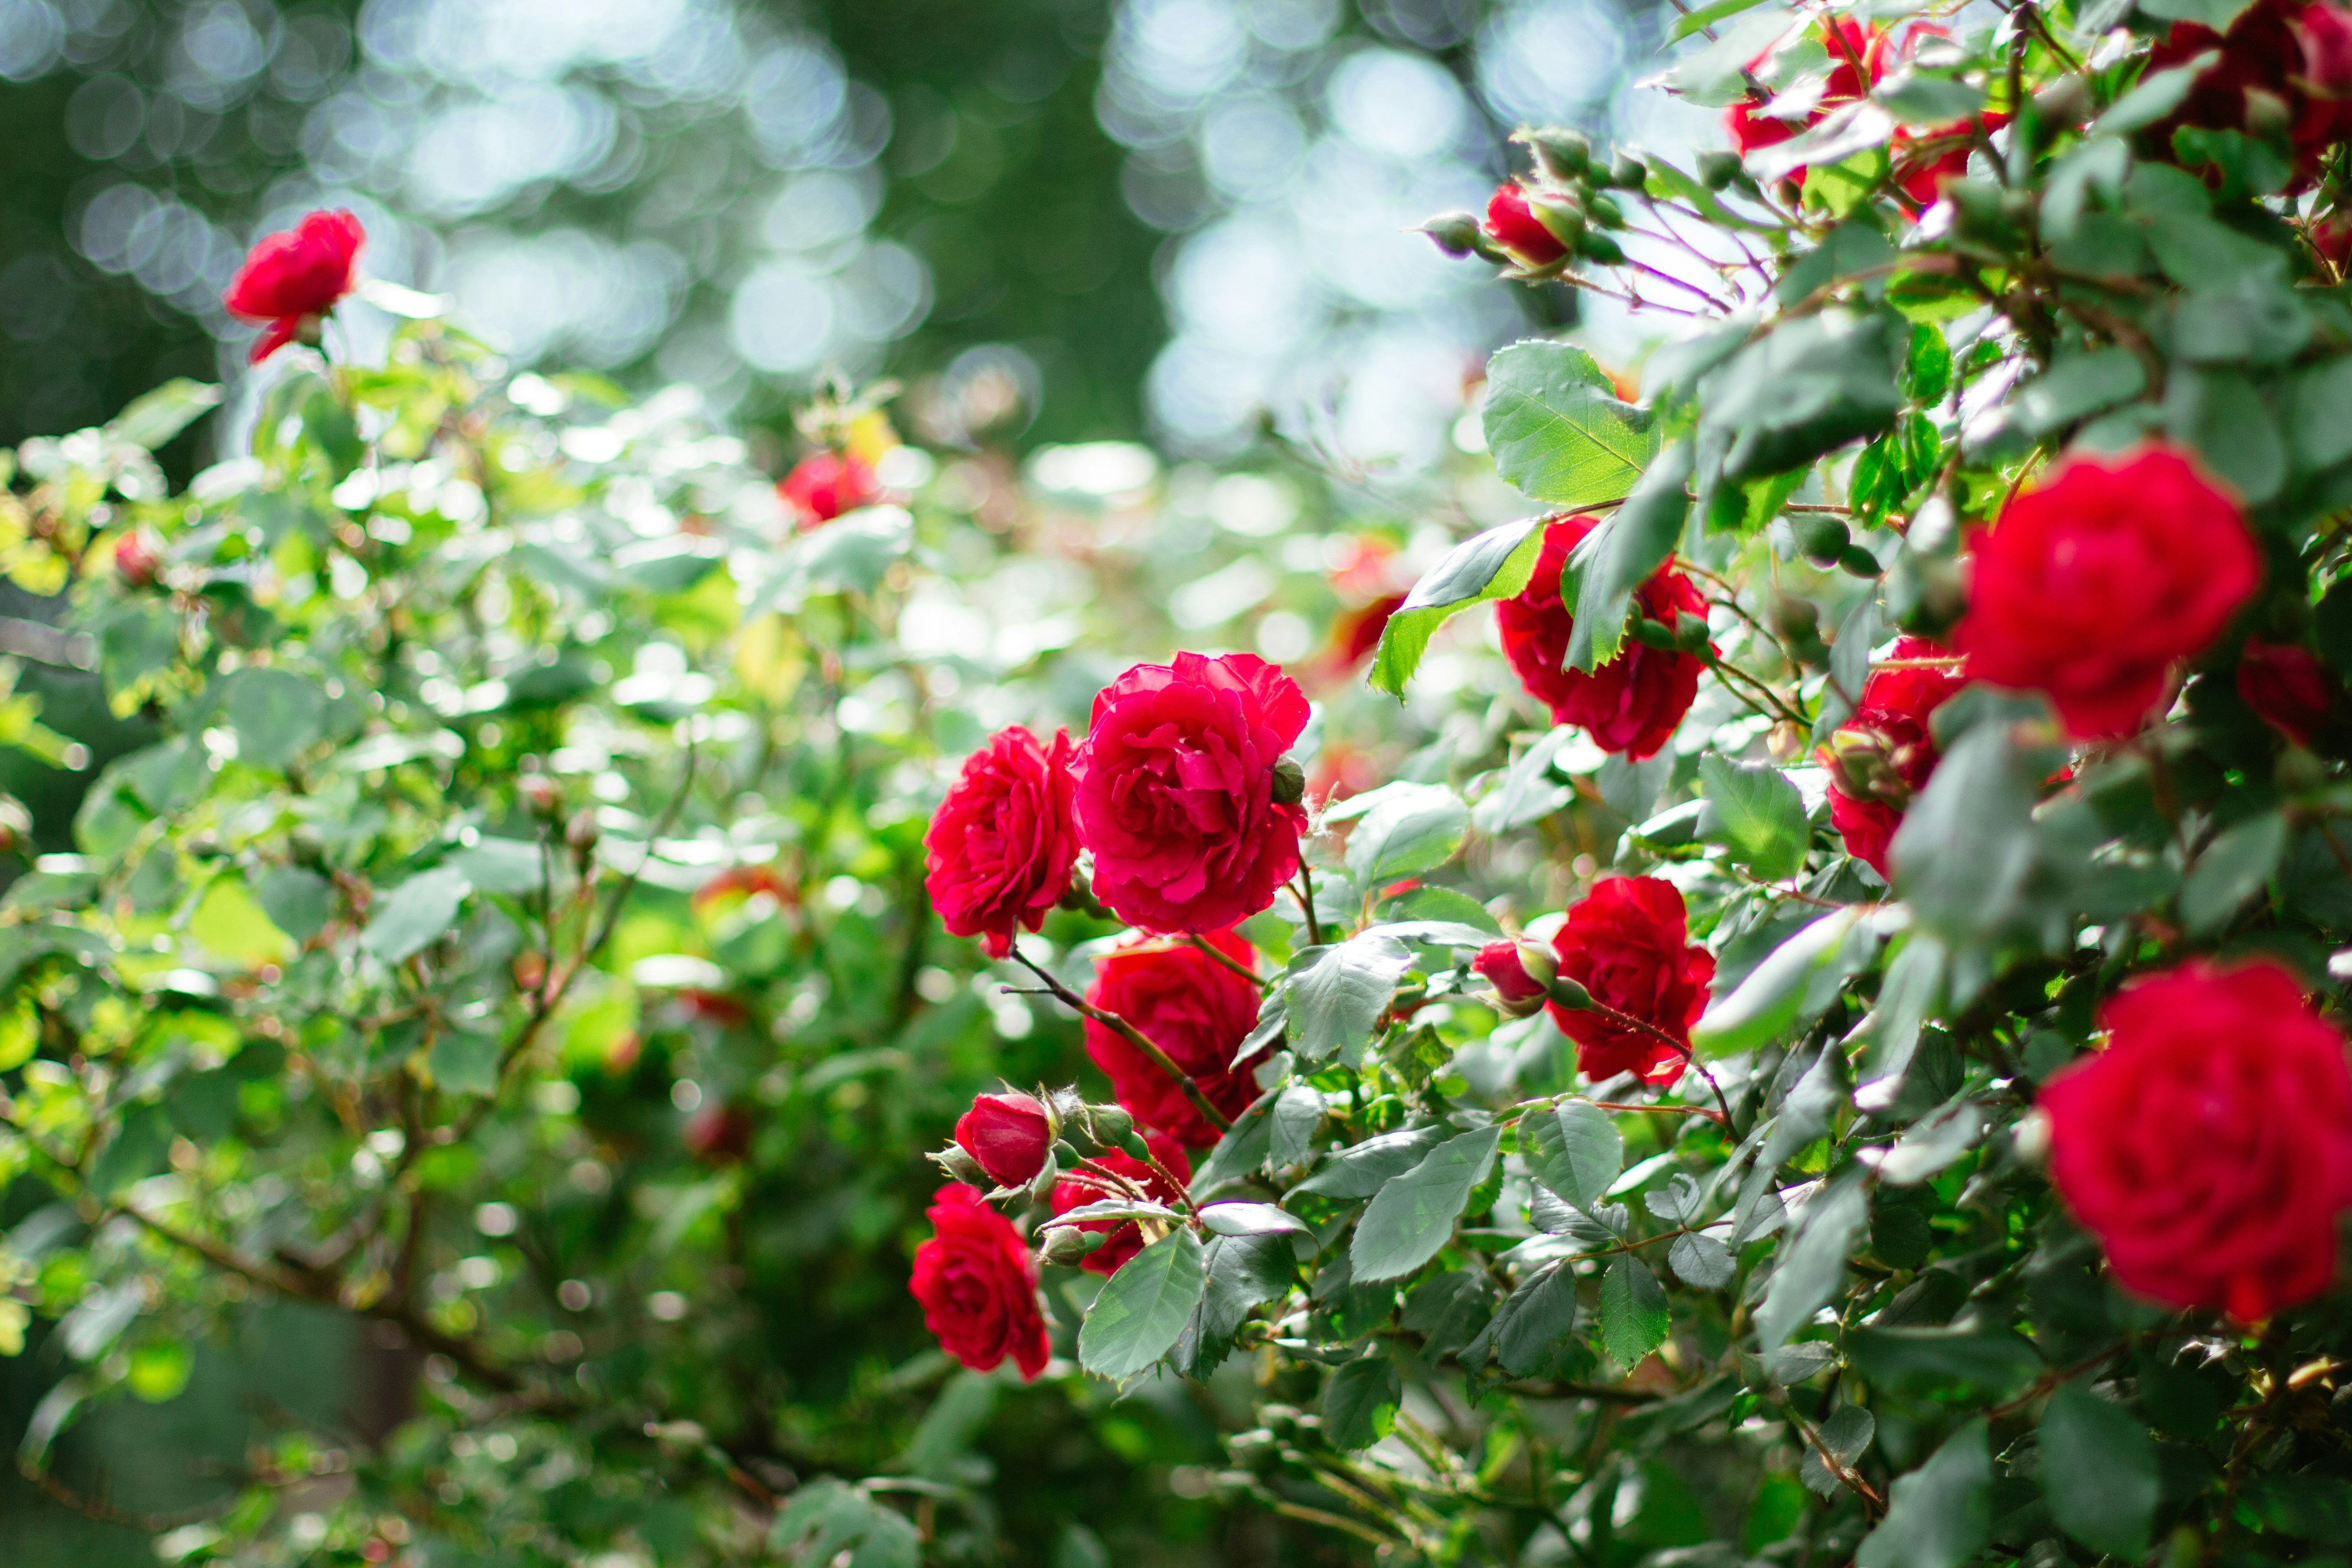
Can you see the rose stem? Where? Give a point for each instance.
(1133, 1035)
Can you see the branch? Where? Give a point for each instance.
(1131, 1035)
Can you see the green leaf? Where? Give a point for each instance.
(1360, 1401)
(1450, 1311)
(1812, 1265)
(2218, 412)
(1534, 1322)
(1614, 560)
(1556, 430)
(1760, 813)
(1985, 1363)
(415, 914)
(1412, 1218)
(137, 1150)
(2155, 96)
(277, 715)
(2217, 14)
(1797, 980)
(1495, 564)
(509, 866)
(297, 902)
(155, 417)
(1413, 828)
(2236, 866)
(1966, 842)
(1363, 1169)
(1634, 1315)
(1243, 1148)
(466, 1061)
(2099, 1472)
(1846, 1433)
(1243, 1271)
(1337, 993)
(1530, 791)
(2321, 430)
(2310, 1507)
(1143, 1308)
(1252, 1219)
(1574, 1150)
(1701, 1261)
(1805, 388)
(2076, 386)
(1939, 1515)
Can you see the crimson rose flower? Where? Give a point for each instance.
(1008, 1135)
(1881, 756)
(1630, 704)
(290, 278)
(1176, 792)
(1513, 225)
(978, 1285)
(2294, 56)
(2209, 1145)
(1002, 845)
(1126, 1235)
(1854, 46)
(2091, 586)
(825, 484)
(2286, 684)
(1194, 1008)
(1626, 942)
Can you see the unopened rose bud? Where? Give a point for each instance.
(1520, 973)
(1690, 632)
(542, 794)
(1561, 214)
(1560, 153)
(961, 1166)
(1134, 1145)
(1513, 225)
(1821, 536)
(580, 834)
(1456, 233)
(138, 557)
(1603, 211)
(1289, 782)
(1600, 247)
(1856, 561)
(1109, 1125)
(1068, 1245)
(1570, 994)
(1628, 172)
(1009, 1134)
(1655, 634)
(1718, 170)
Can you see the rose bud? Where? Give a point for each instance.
(581, 833)
(15, 825)
(1068, 1245)
(825, 485)
(1288, 785)
(1010, 1134)
(1109, 1124)
(1514, 225)
(138, 556)
(542, 794)
(1456, 233)
(1521, 974)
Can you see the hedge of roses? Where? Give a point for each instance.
(1811, 1035)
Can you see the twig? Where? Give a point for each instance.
(1133, 1035)
(1227, 959)
(1306, 905)
(1836, 1466)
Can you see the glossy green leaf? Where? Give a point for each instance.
(1337, 993)
(1575, 1150)
(1939, 1515)
(1412, 1218)
(1760, 813)
(1633, 1316)
(1611, 563)
(1413, 828)
(1558, 431)
(417, 913)
(2099, 1471)
(1495, 564)
(1144, 1307)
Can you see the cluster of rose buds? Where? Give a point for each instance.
(1561, 212)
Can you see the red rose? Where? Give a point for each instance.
(1881, 756)
(138, 556)
(2287, 55)
(1176, 791)
(1009, 1134)
(2209, 1145)
(1630, 704)
(825, 484)
(1626, 942)
(2286, 684)
(1126, 1235)
(978, 1285)
(1857, 50)
(2091, 586)
(1002, 845)
(1194, 1008)
(290, 277)
(1513, 225)
(1511, 968)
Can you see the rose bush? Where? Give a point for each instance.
(1865, 1089)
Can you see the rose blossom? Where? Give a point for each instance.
(1881, 756)
(1002, 845)
(1176, 792)
(2287, 685)
(824, 485)
(2091, 586)
(2209, 1145)
(978, 1285)
(1626, 942)
(291, 277)
(1009, 1134)
(2287, 55)
(1630, 704)
(1851, 43)
(1126, 1235)
(1191, 1006)
(1512, 224)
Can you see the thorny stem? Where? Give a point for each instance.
(1722, 1114)
(1836, 1466)
(1131, 1035)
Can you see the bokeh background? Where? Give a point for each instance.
(1184, 223)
